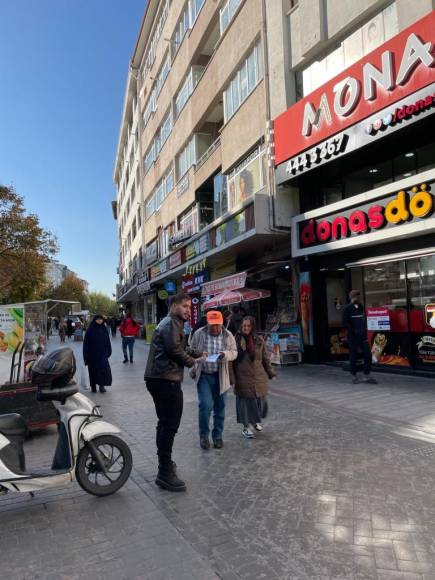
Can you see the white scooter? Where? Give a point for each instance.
(87, 447)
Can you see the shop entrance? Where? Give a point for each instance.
(336, 336)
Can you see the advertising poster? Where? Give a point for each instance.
(378, 319)
(306, 307)
(425, 346)
(195, 310)
(11, 334)
(429, 315)
(390, 348)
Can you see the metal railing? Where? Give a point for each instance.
(207, 154)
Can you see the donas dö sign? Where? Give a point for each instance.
(402, 208)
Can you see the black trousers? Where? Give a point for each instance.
(168, 400)
(356, 344)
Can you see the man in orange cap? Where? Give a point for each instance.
(212, 376)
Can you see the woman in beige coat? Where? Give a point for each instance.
(252, 370)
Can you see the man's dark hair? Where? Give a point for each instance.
(235, 309)
(178, 298)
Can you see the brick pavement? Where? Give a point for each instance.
(325, 492)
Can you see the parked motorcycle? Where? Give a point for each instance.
(88, 448)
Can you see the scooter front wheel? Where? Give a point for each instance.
(116, 456)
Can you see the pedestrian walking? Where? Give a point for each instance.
(252, 369)
(69, 328)
(212, 376)
(62, 330)
(355, 322)
(113, 326)
(129, 329)
(163, 375)
(96, 353)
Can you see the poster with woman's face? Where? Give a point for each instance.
(247, 182)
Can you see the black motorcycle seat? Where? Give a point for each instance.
(12, 424)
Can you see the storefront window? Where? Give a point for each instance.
(387, 314)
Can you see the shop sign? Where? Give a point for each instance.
(175, 260)
(170, 286)
(196, 267)
(192, 282)
(143, 287)
(378, 319)
(404, 211)
(151, 252)
(180, 236)
(195, 310)
(163, 294)
(158, 269)
(373, 128)
(395, 70)
(429, 315)
(426, 349)
(229, 283)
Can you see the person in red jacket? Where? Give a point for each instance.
(129, 329)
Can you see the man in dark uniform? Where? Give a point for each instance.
(163, 376)
(354, 320)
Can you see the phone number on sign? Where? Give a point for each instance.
(317, 154)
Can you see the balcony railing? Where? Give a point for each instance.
(208, 153)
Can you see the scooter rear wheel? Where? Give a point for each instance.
(118, 461)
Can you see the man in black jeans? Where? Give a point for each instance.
(163, 376)
(354, 319)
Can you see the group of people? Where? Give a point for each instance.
(218, 359)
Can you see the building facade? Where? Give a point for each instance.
(196, 197)
(354, 143)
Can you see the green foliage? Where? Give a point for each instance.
(25, 248)
(99, 303)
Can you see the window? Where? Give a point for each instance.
(187, 87)
(247, 178)
(164, 187)
(186, 158)
(166, 129)
(243, 82)
(195, 8)
(189, 221)
(150, 54)
(133, 229)
(139, 219)
(164, 71)
(227, 12)
(150, 206)
(181, 29)
(150, 107)
(220, 195)
(149, 158)
(365, 39)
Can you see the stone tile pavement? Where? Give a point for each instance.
(338, 486)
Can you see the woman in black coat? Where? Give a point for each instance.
(96, 353)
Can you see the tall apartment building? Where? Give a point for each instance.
(354, 142)
(194, 171)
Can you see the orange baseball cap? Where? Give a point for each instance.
(215, 317)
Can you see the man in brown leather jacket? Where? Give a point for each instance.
(163, 376)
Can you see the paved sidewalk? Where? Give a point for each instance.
(338, 486)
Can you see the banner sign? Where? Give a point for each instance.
(395, 70)
(378, 319)
(229, 283)
(191, 283)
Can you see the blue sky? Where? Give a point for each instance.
(63, 68)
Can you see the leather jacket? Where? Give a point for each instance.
(168, 354)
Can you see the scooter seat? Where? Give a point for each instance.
(12, 424)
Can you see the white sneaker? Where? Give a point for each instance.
(258, 427)
(246, 432)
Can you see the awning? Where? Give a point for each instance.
(392, 257)
(235, 297)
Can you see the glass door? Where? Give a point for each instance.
(335, 301)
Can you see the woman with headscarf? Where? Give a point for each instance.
(96, 353)
(252, 369)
